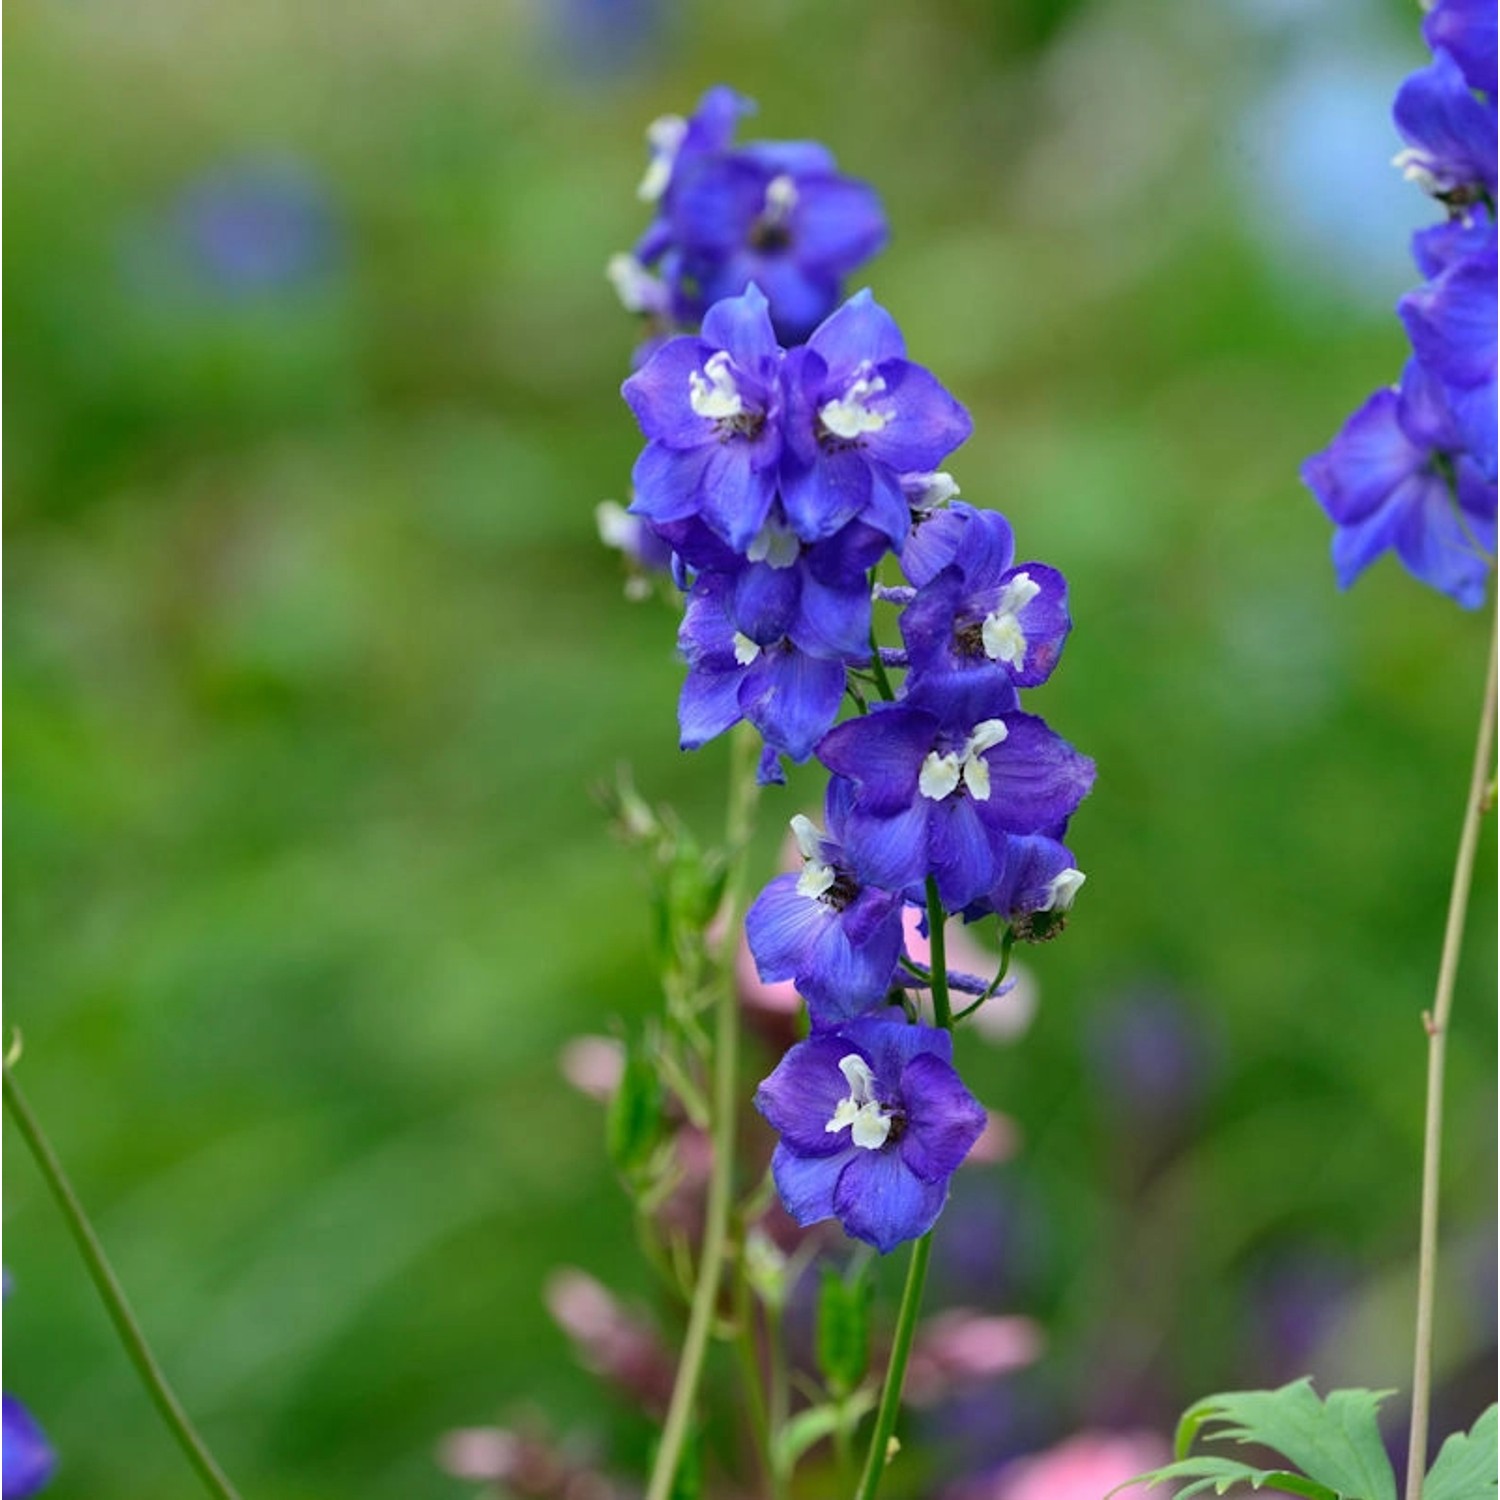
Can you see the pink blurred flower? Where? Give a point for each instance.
(525, 1463)
(964, 1347)
(610, 1340)
(1084, 1467)
(593, 1065)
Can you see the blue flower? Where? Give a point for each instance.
(837, 940)
(981, 612)
(1036, 878)
(1465, 28)
(859, 417)
(27, 1461)
(873, 1122)
(1450, 134)
(1451, 324)
(1385, 483)
(791, 695)
(711, 409)
(776, 214)
(942, 777)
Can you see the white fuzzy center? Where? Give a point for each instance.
(941, 774)
(861, 1113)
(854, 413)
(1004, 640)
(664, 137)
(817, 875)
(712, 391)
(745, 650)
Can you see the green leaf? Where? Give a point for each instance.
(1207, 1474)
(1465, 1467)
(1335, 1442)
(844, 1328)
(633, 1124)
(812, 1426)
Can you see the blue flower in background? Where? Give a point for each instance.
(258, 226)
(1396, 478)
(27, 1461)
(873, 1123)
(777, 214)
(837, 940)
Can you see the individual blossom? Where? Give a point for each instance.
(1466, 29)
(1397, 477)
(789, 694)
(710, 409)
(942, 777)
(774, 213)
(873, 1122)
(982, 611)
(1449, 134)
(836, 939)
(859, 417)
(1036, 882)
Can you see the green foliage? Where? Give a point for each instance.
(633, 1125)
(1465, 1468)
(844, 1326)
(813, 1425)
(1336, 1443)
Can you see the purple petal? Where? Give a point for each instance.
(943, 1119)
(888, 851)
(823, 496)
(742, 325)
(27, 1461)
(960, 851)
(792, 698)
(782, 926)
(840, 979)
(833, 621)
(709, 704)
(880, 1200)
(1452, 133)
(1466, 28)
(1451, 322)
(1364, 463)
(838, 223)
(860, 331)
(765, 601)
(803, 1092)
(1435, 546)
(1037, 779)
(659, 394)
(928, 423)
(882, 754)
(668, 483)
(736, 494)
(807, 1184)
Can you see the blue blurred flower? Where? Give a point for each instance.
(27, 1461)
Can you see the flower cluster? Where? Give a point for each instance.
(776, 213)
(1414, 468)
(781, 475)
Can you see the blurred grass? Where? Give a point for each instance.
(313, 658)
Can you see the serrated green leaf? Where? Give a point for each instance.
(633, 1123)
(1465, 1468)
(812, 1426)
(1334, 1442)
(844, 1328)
(1208, 1474)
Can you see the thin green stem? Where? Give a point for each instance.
(895, 1377)
(742, 795)
(882, 681)
(755, 1398)
(113, 1294)
(1436, 1023)
(916, 1275)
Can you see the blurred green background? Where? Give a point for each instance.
(314, 657)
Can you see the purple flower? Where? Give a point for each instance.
(836, 939)
(776, 214)
(873, 1122)
(1036, 881)
(1450, 134)
(1466, 28)
(790, 694)
(942, 778)
(711, 408)
(981, 612)
(859, 416)
(1451, 323)
(27, 1461)
(1385, 483)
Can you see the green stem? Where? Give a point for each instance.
(1436, 1023)
(113, 1294)
(882, 680)
(755, 1399)
(895, 1377)
(916, 1275)
(742, 795)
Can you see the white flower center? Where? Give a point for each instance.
(781, 199)
(638, 290)
(852, 414)
(925, 492)
(861, 1113)
(712, 391)
(1004, 640)
(941, 774)
(1061, 890)
(775, 545)
(664, 136)
(745, 650)
(817, 876)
